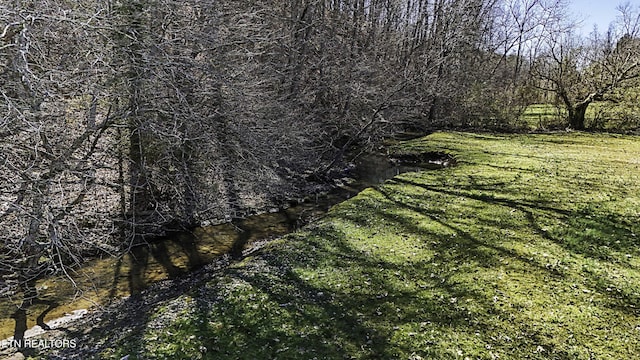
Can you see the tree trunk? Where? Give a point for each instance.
(577, 115)
(132, 22)
(576, 111)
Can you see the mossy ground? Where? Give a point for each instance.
(527, 249)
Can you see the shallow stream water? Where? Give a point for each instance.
(103, 280)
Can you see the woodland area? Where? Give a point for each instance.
(122, 120)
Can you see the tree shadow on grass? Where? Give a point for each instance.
(363, 314)
(267, 308)
(482, 251)
(353, 317)
(586, 232)
(317, 293)
(383, 310)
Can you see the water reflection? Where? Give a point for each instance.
(102, 280)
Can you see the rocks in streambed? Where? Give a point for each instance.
(16, 356)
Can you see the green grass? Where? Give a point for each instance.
(543, 116)
(604, 116)
(528, 249)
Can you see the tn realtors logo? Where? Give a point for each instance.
(39, 343)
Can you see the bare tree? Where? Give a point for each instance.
(580, 72)
(54, 207)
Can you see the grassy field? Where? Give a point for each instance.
(529, 248)
(603, 116)
(543, 116)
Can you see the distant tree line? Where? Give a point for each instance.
(125, 119)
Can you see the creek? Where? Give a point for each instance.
(101, 281)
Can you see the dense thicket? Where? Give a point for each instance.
(123, 119)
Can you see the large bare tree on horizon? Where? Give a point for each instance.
(581, 71)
